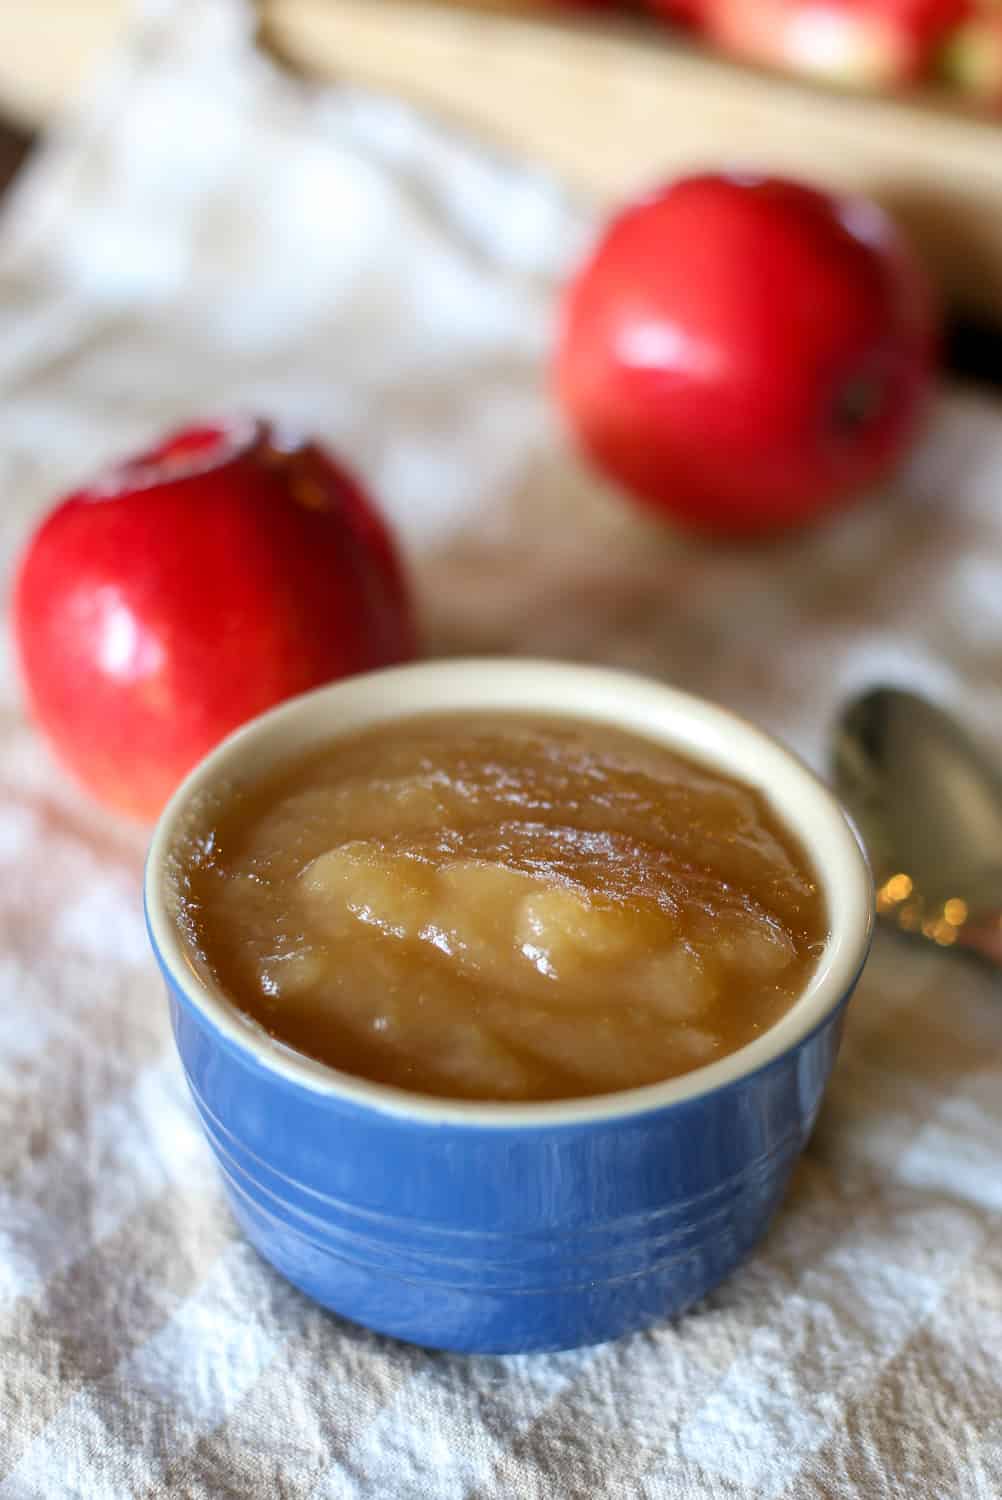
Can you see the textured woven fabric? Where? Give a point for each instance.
(205, 234)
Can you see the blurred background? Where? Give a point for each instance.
(359, 216)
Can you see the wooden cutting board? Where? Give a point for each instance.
(609, 105)
(616, 105)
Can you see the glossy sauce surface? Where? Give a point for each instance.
(502, 908)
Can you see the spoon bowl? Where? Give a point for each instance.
(928, 805)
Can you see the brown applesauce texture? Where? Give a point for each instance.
(502, 907)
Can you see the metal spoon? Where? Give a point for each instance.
(928, 805)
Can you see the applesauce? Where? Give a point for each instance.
(503, 907)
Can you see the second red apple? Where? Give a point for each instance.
(743, 353)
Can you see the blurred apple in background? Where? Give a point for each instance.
(971, 60)
(857, 43)
(191, 588)
(744, 353)
(682, 12)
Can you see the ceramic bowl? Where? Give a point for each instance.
(504, 1227)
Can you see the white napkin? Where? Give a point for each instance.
(205, 234)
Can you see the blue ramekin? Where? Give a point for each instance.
(502, 1227)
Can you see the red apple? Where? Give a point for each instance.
(868, 44)
(190, 588)
(742, 353)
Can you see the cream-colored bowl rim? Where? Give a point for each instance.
(698, 729)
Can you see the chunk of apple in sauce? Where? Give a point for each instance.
(484, 915)
(524, 931)
(553, 946)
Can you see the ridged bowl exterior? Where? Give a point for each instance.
(501, 1239)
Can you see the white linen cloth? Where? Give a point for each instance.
(204, 233)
